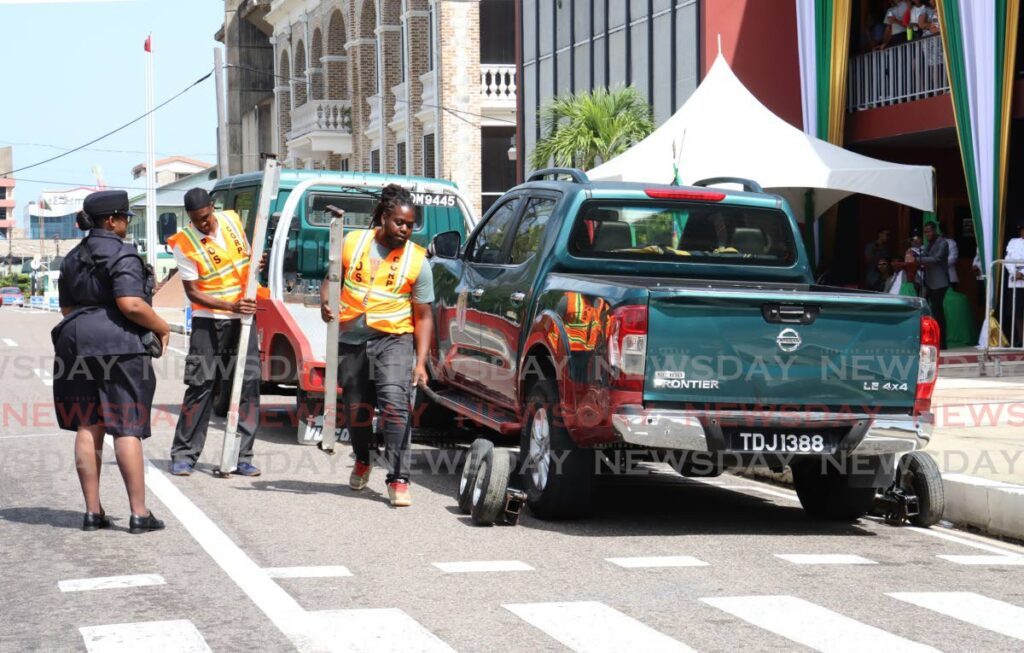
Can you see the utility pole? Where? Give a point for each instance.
(222, 121)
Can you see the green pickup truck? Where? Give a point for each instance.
(600, 323)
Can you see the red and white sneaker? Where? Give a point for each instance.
(360, 476)
(398, 492)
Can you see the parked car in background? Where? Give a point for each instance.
(12, 296)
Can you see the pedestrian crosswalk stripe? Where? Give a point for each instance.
(1007, 560)
(482, 566)
(991, 614)
(180, 636)
(375, 630)
(657, 561)
(10, 343)
(327, 571)
(824, 559)
(593, 627)
(812, 625)
(110, 582)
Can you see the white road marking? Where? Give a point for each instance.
(279, 606)
(812, 625)
(177, 351)
(934, 532)
(180, 636)
(824, 559)
(10, 343)
(378, 630)
(657, 561)
(472, 566)
(593, 627)
(44, 375)
(335, 571)
(990, 614)
(110, 582)
(1006, 560)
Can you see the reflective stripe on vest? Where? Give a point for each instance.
(385, 297)
(223, 271)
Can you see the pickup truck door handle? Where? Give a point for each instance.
(477, 293)
(517, 296)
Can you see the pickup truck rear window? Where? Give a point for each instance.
(680, 231)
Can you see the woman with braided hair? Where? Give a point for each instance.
(385, 328)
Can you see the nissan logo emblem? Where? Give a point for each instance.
(788, 340)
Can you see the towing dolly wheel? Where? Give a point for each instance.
(469, 469)
(489, 486)
(918, 474)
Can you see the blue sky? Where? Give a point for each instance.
(75, 70)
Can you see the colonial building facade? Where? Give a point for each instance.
(395, 86)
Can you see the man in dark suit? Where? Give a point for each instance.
(935, 259)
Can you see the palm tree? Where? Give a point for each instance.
(586, 128)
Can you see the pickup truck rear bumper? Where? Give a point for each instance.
(861, 434)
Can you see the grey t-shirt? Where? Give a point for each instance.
(356, 332)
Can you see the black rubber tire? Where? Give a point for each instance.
(464, 492)
(827, 495)
(489, 486)
(918, 474)
(569, 489)
(221, 398)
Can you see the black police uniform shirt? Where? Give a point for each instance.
(97, 326)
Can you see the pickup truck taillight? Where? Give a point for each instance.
(928, 368)
(627, 346)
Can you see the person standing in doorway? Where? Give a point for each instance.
(1013, 299)
(935, 259)
(212, 254)
(386, 325)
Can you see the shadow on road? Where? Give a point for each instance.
(39, 516)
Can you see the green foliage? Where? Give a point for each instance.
(22, 281)
(582, 128)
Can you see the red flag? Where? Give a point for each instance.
(149, 43)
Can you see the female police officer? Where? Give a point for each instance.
(103, 377)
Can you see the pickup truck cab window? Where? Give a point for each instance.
(690, 232)
(531, 229)
(488, 245)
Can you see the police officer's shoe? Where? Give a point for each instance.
(95, 521)
(181, 468)
(360, 476)
(144, 524)
(398, 492)
(247, 469)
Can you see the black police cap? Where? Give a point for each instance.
(107, 202)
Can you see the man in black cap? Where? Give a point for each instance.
(212, 254)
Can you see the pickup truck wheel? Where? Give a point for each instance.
(476, 453)
(918, 474)
(489, 486)
(828, 494)
(557, 476)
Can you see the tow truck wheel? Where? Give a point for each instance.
(469, 468)
(828, 493)
(558, 477)
(489, 486)
(918, 474)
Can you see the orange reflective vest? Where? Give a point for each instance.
(384, 295)
(223, 272)
(583, 321)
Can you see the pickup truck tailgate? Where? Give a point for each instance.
(841, 351)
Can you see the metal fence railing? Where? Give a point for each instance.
(899, 73)
(1004, 309)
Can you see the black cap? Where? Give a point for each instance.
(197, 198)
(107, 202)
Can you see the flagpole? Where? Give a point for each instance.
(151, 217)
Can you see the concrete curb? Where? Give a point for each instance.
(993, 507)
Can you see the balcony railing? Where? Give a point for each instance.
(322, 115)
(901, 73)
(498, 81)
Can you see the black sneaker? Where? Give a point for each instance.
(144, 524)
(95, 521)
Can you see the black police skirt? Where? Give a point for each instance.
(116, 391)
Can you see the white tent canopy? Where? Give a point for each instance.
(724, 131)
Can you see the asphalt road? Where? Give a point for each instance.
(295, 561)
